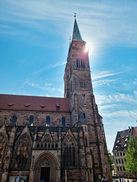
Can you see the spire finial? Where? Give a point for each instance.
(76, 33)
(74, 15)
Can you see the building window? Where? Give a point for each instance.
(83, 64)
(47, 121)
(84, 115)
(57, 108)
(63, 122)
(22, 153)
(31, 120)
(69, 152)
(80, 63)
(13, 120)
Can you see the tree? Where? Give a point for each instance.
(111, 160)
(131, 156)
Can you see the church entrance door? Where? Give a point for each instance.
(45, 174)
(46, 168)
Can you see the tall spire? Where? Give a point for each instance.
(76, 33)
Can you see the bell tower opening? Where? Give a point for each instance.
(45, 174)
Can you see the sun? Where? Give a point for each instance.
(86, 49)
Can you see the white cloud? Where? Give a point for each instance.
(108, 106)
(104, 74)
(44, 68)
(46, 87)
(117, 98)
(135, 82)
(103, 82)
(107, 22)
(130, 115)
(102, 78)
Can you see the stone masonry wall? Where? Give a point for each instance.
(39, 117)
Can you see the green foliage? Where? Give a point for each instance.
(111, 160)
(131, 155)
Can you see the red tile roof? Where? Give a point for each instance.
(36, 103)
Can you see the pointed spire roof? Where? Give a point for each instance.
(76, 33)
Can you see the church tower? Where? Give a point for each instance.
(83, 109)
(78, 86)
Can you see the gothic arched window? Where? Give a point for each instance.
(22, 153)
(47, 121)
(69, 152)
(63, 121)
(13, 120)
(80, 63)
(31, 120)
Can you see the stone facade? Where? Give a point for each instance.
(55, 139)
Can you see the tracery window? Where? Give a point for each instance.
(69, 152)
(22, 153)
(13, 120)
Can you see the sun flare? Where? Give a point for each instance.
(87, 48)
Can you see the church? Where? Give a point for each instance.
(52, 139)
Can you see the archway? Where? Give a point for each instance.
(46, 167)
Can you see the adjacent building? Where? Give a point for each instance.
(55, 139)
(119, 151)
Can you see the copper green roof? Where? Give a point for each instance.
(76, 33)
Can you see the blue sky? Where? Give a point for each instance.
(34, 40)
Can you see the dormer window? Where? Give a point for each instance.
(57, 108)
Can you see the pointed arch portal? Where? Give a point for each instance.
(45, 168)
